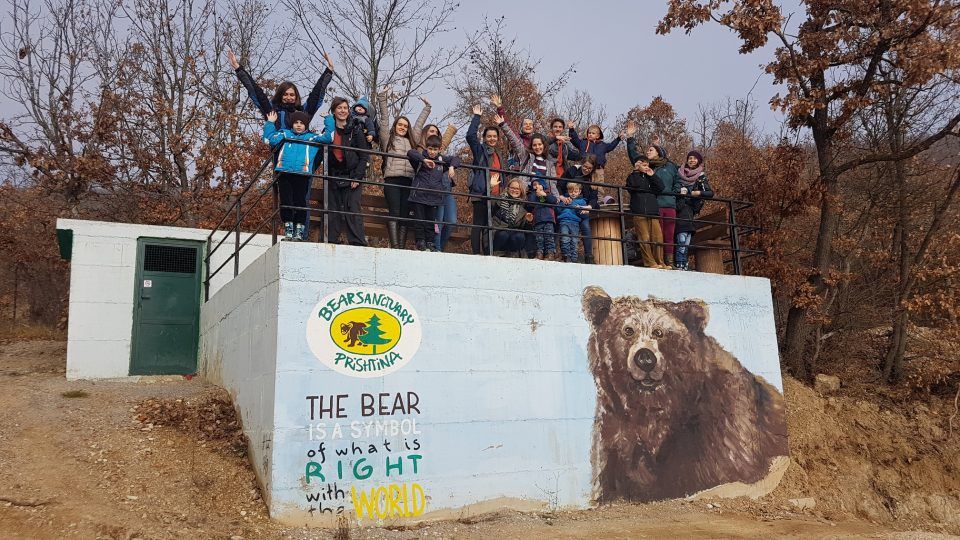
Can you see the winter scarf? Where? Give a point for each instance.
(660, 161)
(688, 177)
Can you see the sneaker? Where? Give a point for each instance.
(539, 256)
(421, 245)
(431, 246)
(288, 230)
(300, 233)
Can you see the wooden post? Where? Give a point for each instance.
(709, 256)
(607, 251)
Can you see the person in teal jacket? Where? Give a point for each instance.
(669, 174)
(294, 168)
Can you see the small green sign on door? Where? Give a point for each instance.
(166, 319)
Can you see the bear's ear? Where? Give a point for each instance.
(596, 305)
(694, 314)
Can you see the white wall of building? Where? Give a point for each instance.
(102, 288)
(506, 399)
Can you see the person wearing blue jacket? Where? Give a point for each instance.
(364, 113)
(568, 221)
(286, 99)
(427, 190)
(485, 154)
(544, 218)
(294, 167)
(583, 177)
(594, 145)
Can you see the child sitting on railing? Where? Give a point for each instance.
(295, 163)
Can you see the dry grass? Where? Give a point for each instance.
(29, 332)
(74, 394)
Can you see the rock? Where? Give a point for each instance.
(806, 503)
(826, 384)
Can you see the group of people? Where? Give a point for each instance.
(537, 196)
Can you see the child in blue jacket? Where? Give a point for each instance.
(569, 222)
(294, 168)
(594, 145)
(366, 115)
(544, 218)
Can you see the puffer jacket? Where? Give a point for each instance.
(401, 145)
(643, 191)
(427, 178)
(294, 157)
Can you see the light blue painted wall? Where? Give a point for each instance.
(507, 411)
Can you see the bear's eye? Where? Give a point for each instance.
(628, 331)
(657, 333)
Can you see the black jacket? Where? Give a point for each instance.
(689, 207)
(643, 191)
(587, 191)
(354, 164)
(263, 103)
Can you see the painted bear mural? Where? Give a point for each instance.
(676, 413)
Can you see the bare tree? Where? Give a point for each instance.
(380, 43)
(582, 109)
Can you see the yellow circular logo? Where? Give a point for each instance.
(365, 331)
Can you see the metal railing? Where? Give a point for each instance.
(734, 231)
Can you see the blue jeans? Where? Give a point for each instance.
(546, 239)
(682, 247)
(587, 235)
(508, 240)
(446, 213)
(568, 244)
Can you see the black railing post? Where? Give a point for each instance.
(274, 188)
(623, 226)
(236, 249)
(734, 240)
(489, 208)
(206, 271)
(325, 222)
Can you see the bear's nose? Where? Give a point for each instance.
(645, 359)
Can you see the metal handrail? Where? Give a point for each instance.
(736, 230)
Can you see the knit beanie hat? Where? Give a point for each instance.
(661, 151)
(697, 155)
(300, 116)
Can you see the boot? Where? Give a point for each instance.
(300, 233)
(393, 234)
(288, 230)
(431, 246)
(403, 236)
(421, 245)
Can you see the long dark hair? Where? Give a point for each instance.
(277, 100)
(423, 133)
(393, 133)
(546, 146)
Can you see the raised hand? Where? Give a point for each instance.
(571, 124)
(631, 128)
(497, 119)
(232, 58)
(655, 140)
(477, 110)
(425, 101)
(272, 116)
(496, 101)
(326, 56)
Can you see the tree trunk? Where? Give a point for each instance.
(898, 334)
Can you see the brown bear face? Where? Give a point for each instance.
(642, 357)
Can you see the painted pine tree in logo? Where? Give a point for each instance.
(374, 335)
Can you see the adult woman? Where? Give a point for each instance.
(669, 176)
(512, 219)
(397, 172)
(583, 176)
(345, 168)
(286, 99)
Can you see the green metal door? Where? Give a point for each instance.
(166, 317)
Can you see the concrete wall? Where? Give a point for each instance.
(102, 274)
(497, 405)
(238, 351)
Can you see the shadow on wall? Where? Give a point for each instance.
(676, 413)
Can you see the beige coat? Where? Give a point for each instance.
(395, 166)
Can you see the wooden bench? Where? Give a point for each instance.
(373, 226)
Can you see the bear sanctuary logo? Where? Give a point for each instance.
(363, 331)
(676, 413)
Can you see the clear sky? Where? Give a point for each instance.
(622, 62)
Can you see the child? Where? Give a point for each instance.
(569, 221)
(584, 175)
(594, 145)
(294, 169)
(644, 186)
(432, 170)
(367, 116)
(693, 181)
(544, 218)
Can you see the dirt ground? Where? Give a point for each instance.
(165, 460)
